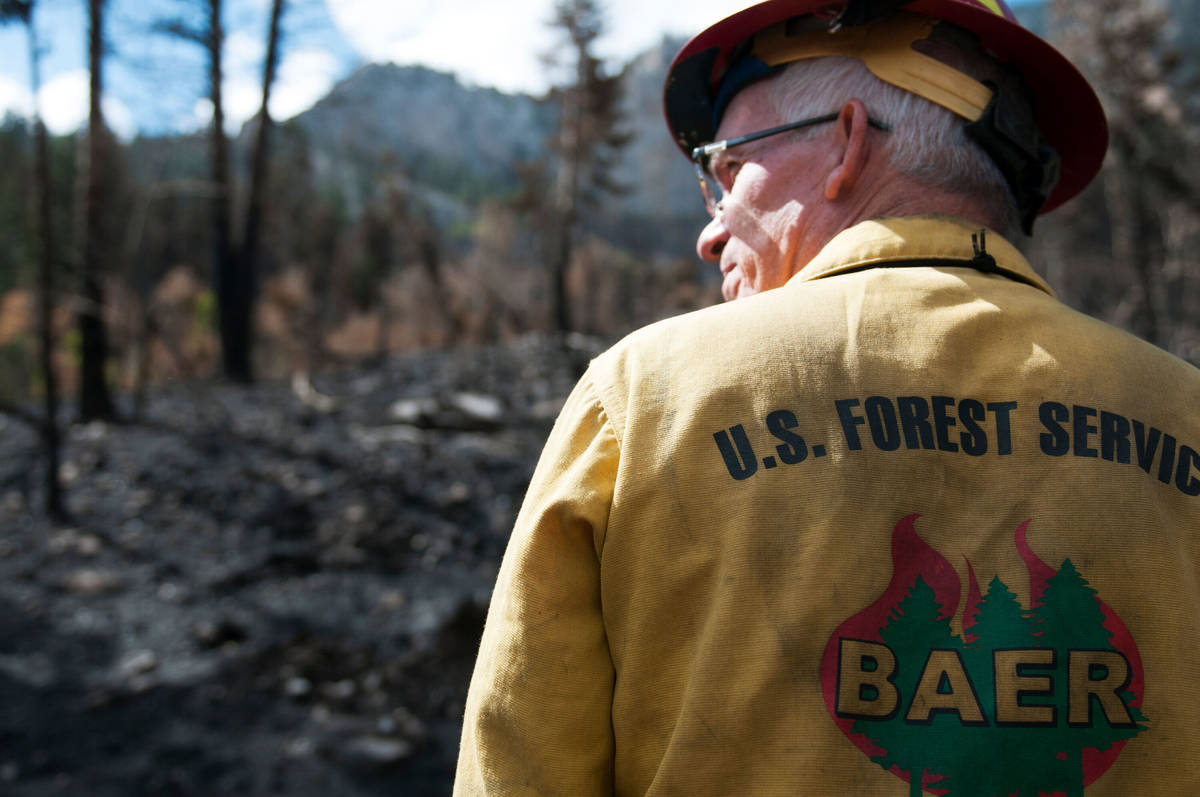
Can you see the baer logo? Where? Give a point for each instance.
(1026, 702)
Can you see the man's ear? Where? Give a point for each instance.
(854, 143)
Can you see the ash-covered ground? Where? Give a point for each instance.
(268, 590)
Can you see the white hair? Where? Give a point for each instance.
(927, 142)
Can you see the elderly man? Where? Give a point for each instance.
(894, 522)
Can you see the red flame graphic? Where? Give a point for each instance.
(912, 557)
(972, 608)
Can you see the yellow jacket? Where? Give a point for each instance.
(879, 524)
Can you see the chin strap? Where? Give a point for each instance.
(1007, 132)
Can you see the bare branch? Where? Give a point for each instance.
(19, 10)
(181, 30)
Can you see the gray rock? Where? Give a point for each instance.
(373, 752)
(93, 581)
(139, 663)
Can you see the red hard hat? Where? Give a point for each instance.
(1066, 110)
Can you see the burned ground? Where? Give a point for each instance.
(266, 590)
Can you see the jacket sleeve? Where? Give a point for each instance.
(538, 713)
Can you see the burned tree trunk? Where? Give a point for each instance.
(95, 400)
(247, 254)
(233, 300)
(47, 265)
(585, 144)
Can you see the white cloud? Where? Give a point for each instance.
(64, 101)
(243, 52)
(636, 25)
(119, 118)
(64, 105)
(305, 76)
(240, 98)
(499, 44)
(485, 42)
(374, 28)
(14, 98)
(202, 112)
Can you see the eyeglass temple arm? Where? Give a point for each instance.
(705, 150)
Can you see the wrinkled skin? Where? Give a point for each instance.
(786, 195)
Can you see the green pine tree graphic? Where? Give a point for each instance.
(913, 630)
(963, 745)
(1001, 624)
(1070, 619)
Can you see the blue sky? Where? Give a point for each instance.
(157, 84)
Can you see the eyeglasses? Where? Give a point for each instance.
(710, 186)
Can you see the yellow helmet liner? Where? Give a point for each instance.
(885, 48)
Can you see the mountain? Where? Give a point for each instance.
(662, 211)
(456, 144)
(465, 141)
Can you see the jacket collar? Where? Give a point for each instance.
(919, 238)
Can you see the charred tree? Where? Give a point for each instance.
(585, 145)
(233, 300)
(1148, 193)
(95, 399)
(22, 10)
(235, 257)
(246, 259)
(232, 303)
(429, 252)
(47, 266)
(419, 232)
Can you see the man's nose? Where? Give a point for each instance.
(712, 240)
